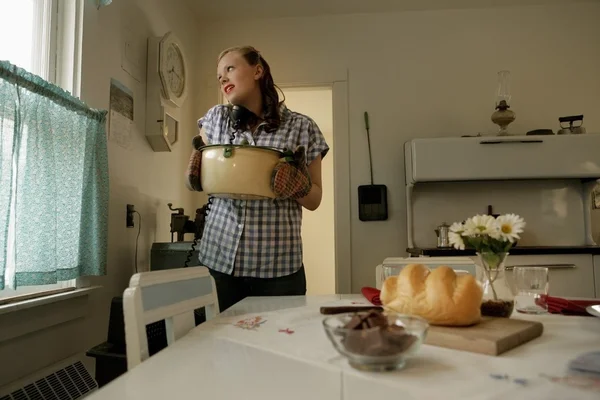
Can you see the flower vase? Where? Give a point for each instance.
(498, 296)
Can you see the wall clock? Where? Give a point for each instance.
(166, 90)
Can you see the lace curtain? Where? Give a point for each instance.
(53, 183)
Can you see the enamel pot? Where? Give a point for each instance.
(238, 171)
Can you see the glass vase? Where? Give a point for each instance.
(498, 295)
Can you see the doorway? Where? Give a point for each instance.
(328, 266)
(318, 227)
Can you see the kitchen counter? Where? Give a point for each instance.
(519, 250)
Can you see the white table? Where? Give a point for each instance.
(218, 360)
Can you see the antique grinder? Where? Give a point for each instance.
(181, 224)
(179, 253)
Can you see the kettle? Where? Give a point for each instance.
(571, 130)
(442, 232)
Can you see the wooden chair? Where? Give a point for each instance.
(171, 295)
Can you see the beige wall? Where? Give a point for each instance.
(424, 74)
(137, 176)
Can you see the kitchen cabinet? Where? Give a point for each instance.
(570, 275)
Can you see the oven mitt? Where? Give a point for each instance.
(290, 178)
(193, 176)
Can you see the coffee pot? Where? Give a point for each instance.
(442, 232)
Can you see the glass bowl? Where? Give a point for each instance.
(377, 349)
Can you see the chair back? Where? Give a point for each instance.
(171, 295)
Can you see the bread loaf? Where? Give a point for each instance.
(438, 295)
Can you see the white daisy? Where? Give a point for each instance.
(456, 240)
(457, 227)
(510, 226)
(481, 225)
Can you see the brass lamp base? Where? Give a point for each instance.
(502, 117)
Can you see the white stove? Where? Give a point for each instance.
(570, 275)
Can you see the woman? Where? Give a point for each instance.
(254, 247)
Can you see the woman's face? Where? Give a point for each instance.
(239, 80)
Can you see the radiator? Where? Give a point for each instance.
(66, 380)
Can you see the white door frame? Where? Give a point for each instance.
(341, 182)
(341, 177)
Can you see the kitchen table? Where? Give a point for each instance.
(276, 348)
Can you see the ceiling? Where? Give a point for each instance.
(211, 10)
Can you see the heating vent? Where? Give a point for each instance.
(69, 383)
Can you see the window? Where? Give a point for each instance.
(25, 37)
(44, 38)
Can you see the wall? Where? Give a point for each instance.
(426, 74)
(137, 175)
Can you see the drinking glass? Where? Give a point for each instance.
(531, 284)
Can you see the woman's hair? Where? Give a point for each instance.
(268, 89)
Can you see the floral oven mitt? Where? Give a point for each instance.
(290, 177)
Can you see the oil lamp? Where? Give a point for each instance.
(503, 116)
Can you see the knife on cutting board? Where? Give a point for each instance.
(346, 309)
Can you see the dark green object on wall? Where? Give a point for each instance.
(372, 199)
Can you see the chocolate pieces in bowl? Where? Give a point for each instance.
(372, 335)
(375, 340)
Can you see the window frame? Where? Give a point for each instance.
(45, 26)
(58, 41)
(68, 49)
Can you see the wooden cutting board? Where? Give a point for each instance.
(492, 336)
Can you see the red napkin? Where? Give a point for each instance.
(372, 294)
(558, 305)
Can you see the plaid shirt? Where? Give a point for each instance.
(257, 238)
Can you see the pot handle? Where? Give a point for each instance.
(288, 155)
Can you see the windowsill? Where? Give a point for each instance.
(46, 299)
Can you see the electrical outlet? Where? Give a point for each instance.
(129, 218)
